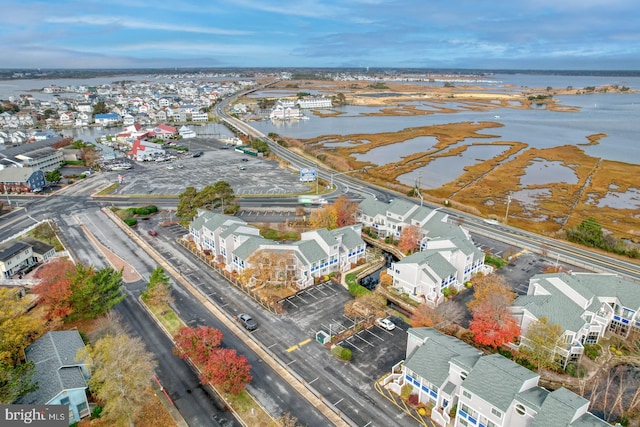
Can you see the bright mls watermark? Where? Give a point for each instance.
(34, 415)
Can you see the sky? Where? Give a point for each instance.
(478, 34)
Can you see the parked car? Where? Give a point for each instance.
(198, 154)
(246, 321)
(244, 159)
(153, 233)
(385, 324)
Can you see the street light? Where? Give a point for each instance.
(506, 214)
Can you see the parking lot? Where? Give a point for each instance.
(246, 174)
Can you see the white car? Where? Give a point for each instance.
(385, 324)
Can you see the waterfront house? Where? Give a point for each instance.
(465, 388)
(107, 119)
(585, 305)
(61, 378)
(233, 242)
(447, 257)
(21, 179)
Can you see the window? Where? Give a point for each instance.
(520, 409)
(497, 413)
(466, 394)
(463, 375)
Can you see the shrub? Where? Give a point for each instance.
(97, 411)
(506, 353)
(413, 399)
(341, 352)
(130, 221)
(592, 351)
(577, 371)
(405, 391)
(453, 411)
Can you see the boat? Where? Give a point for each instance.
(496, 117)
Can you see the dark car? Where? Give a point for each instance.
(153, 233)
(198, 154)
(246, 321)
(244, 159)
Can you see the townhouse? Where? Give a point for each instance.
(447, 257)
(467, 389)
(315, 102)
(585, 305)
(234, 243)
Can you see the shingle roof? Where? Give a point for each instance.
(431, 360)
(350, 238)
(56, 367)
(497, 380)
(371, 207)
(10, 248)
(559, 408)
(39, 247)
(16, 174)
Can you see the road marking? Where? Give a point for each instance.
(305, 342)
(311, 382)
(292, 348)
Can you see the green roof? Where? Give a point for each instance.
(350, 238)
(311, 251)
(434, 259)
(497, 380)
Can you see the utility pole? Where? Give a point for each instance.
(506, 214)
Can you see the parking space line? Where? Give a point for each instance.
(305, 342)
(351, 345)
(311, 295)
(358, 336)
(380, 338)
(338, 401)
(311, 382)
(273, 345)
(303, 300)
(290, 302)
(320, 290)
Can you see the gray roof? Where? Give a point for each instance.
(560, 407)
(311, 250)
(213, 220)
(609, 285)
(10, 248)
(557, 308)
(26, 148)
(434, 259)
(497, 380)
(371, 207)
(350, 238)
(400, 207)
(431, 360)
(38, 246)
(248, 247)
(533, 397)
(16, 174)
(56, 367)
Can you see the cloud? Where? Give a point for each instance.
(141, 24)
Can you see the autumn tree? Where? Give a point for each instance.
(409, 238)
(18, 326)
(368, 305)
(287, 420)
(440, 317)
(386, 279)
(227, 370)
(122, 371)
(94, 293)
(339, 214)
(492, 324)
(270, 268)
(539, 343)
(16, 381)
(158, 291)
(54, 289)
(197, 343)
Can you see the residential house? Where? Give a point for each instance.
(585, 305)
(447, 257)
(186, 132)
(280, 112)
(15, 256)
(317, 253)
(26, 179)
(40, 250)
(66, 118)
(484, 391)
(199, 117)
(61, 377)
(107, 119)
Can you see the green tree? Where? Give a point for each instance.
(100, 108)
(158, 290)
(121, 376)
(53, 176)
(588, 232)
(16, 381)
(94, 293)
(187, 208)
(260, 145)
(540, 341)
